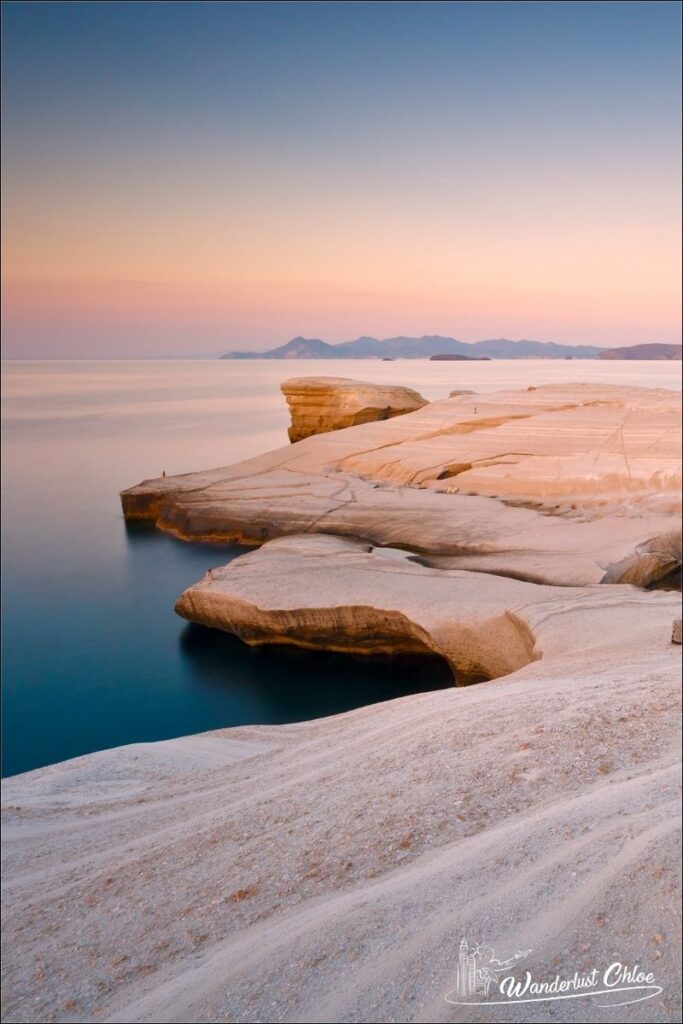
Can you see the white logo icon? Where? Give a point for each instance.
(478, 967)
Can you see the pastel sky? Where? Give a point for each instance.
(187, 178)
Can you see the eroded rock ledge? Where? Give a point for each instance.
(320, 404)
(337, 594)
(207, 877)
(320, 871)
(562, 484)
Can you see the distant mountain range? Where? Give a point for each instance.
(670, 352)
(433, 345)
(420, 348)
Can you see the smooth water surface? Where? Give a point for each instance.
(93, 654)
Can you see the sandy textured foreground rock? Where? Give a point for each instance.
(327, 871)
(566, 485)
(320, 404)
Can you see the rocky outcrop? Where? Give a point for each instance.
(561, 484)
(326, 870)
(336, 594)
(318, 405)
(342, 595)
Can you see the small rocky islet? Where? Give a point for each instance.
(328, 870)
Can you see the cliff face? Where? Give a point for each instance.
(670, 352)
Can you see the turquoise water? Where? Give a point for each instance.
(93, 653)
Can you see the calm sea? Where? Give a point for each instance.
(93, 653)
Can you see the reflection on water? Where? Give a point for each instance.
(93, 654)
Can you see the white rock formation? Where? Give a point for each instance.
(337, 594)
(328, 870)
(318, 405)
(571, 484)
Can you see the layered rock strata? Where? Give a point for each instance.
(318, 405)
(337, 594)
(567, 485)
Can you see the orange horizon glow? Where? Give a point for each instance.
(236, 214)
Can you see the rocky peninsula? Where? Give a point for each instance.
(328, 870)
(561, 484)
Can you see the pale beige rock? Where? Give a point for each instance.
(338, 594)
(577, 443)
(569, 485)
(328, 870)
(318, 405)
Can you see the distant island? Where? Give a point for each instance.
(434, 346)
(460, 359)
